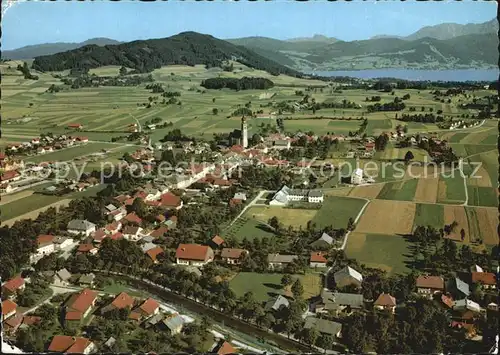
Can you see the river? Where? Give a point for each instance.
(416, 74)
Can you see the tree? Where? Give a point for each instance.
(409, 156)
(286, 280)
(215, 111)
(297, 289)
(123, 71)
(462, 234)
(325, 341)
(139, 207)
(274, 222)
(310, 335)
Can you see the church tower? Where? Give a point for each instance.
(244, 132)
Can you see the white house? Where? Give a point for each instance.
(315, 196)
(357, 177)
(63, 242)
(194, 254)
(132, 233)
(45, 246)
(81, 226)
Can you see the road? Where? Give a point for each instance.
(355, 221)
(139, 127)
(252, 203)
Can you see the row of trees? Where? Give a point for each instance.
(424, 118)
(245, 83)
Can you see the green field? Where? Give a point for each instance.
(401, 190)
(337, 210)
(73, 152)
(482, 196)
(265, 286)
(379, 251)
(429, 215)
(248, 228)
(453, 191)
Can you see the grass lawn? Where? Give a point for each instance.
(248, 228)
(379, 251)
(265, 286)
(482, 196)
(401, 190)
(287, 216)
(115, 287)
(337, 210)
(429, 215)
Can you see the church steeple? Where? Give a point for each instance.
(244, 132)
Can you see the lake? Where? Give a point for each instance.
(417, 75)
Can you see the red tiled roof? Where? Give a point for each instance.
(232, 253)
(112, 226)
(72, 315)
(192, 252)
(123, 300)
(318, 257)
(385, 299)
(32, 320)
(14, 321)
(153, 253)
(170, 200)
(85, 248)
(435, 282)
(157, 233)
(68, 344)
(44, 239)
(116, 236)
(134, 315)
(131, 230)
(14, 284)
(83, 300)
(7, 175)
(226, 348)
(486, 278)
(73, 125)
(100, 234)
(133, 218)
(217, 240)
(149, 306)
(8, 306)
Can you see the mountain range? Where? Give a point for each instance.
(444, 46)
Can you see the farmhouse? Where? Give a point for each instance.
(385, 302)
(286, 195)
(318, 259)
(277, 303)
(62, 277)
(10, 176)
(277, 261)
(348, 276)
(149, 308)
(487, 279)
(232, 256)
(123, 300)
(324, 241)
(13, 286)
(9, 309)
(337, 302)
(194, 254)
(169, 200)
(132, 233)
(428, 285)
(154, 252)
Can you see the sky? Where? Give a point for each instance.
(28, 23)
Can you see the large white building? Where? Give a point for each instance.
(357, 177)
(286, 195)
(45, 246)
(81, 226)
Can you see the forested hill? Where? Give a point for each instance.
(187, 48)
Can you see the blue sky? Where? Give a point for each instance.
(30, 23)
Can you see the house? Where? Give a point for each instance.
(217, 241)
(13, 323)
(159, 232)
(75, 126)
(154, 320)
(154, 252)
(81, 226)
(277, 261)
(324, 326)
(71, 345)
(110, 342)
(318, 259)
(486, 279)
(281, 144)
(232, 256)
(9, 308)
(62, 277)
(460, 288)
(63, 242)
(44, 246)
(86, 249)
(370, 147)
(429, 285)
(347, 276)
(80, 304)
(277, 303)
(133, 218)
(147, 309)
(337, 302)
(173, 323)
(223, 348)
(357, 177)
(315, 196)
(113, 227)
(194, 254)
(13, 286)
(10, 176)
(122, 301)
(240, 196)
(7, 188)
(466, 305)
(169, 200)
(86, 280)
(324, 241)
(385, 302)
(132, 233)
(117, 214)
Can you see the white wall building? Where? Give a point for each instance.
(357, 177)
